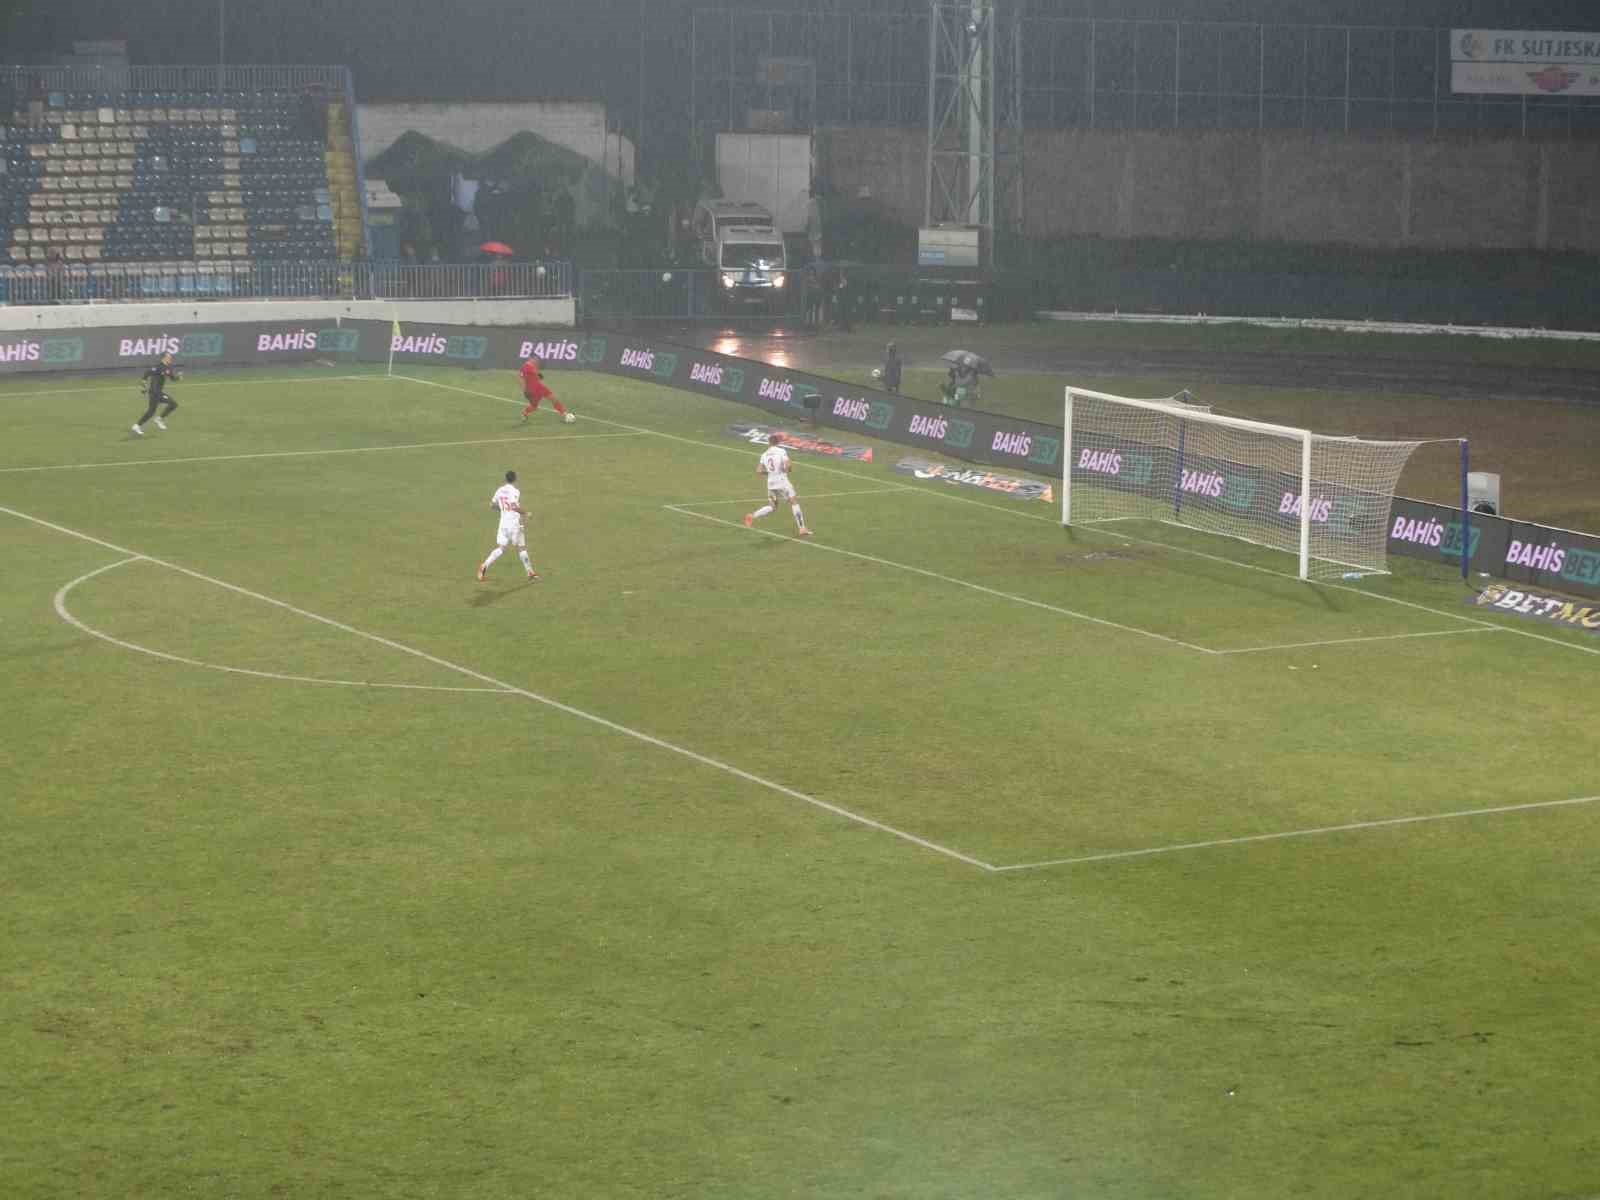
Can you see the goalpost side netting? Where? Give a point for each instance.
(1324, 499)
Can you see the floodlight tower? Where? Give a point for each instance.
(974, 117)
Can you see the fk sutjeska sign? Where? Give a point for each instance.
(1516, 62)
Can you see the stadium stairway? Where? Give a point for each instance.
(342, 186)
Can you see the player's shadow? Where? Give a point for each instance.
(484, 598)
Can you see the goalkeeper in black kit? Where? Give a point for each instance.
(155, 390)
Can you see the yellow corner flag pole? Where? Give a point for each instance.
(394, 336)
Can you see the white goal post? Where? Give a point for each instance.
(1324, 499)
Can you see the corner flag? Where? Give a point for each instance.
(395, 335)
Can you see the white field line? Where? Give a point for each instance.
(1032, 516)
(186, 383)
(742, 450)
(1339, 587)
(203, 458)
(1352, 826)
(950, 579)
(1055, 520)
(809, 496)
(603, 722)
(1387, 637)
(65, 615)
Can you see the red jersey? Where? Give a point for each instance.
(532, 385)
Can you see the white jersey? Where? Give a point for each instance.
(775, 462)
(507, 499)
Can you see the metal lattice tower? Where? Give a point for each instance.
(974, 160)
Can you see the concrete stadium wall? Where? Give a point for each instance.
(1376, 192)
(532, 314)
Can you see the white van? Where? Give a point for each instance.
(745, 250)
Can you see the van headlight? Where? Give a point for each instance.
(778, 278)
(729, 278)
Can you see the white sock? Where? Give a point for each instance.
(799, 517)
(763, 511)
(493, 554)
(523, 554)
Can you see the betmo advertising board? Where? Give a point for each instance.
(1516, 550)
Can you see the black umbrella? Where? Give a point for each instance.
(966, 359)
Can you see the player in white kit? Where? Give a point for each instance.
(507, 501)
(774, 465)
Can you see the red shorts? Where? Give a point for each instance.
(535, 392)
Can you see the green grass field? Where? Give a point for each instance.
(947, 854)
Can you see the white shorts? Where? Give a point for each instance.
(780, 491)
(511, 532)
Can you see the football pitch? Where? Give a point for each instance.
(948, 853)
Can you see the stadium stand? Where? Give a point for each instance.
(189, 185)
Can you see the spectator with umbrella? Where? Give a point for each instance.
(499, 254)
(962, 387)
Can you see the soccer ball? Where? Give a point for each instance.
(569, 418)
(877, 372)
(666, 277)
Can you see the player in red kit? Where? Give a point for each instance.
(533, 387)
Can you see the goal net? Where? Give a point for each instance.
(1324, 499)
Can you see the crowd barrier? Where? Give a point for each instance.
(76, 283)
(1516, 550)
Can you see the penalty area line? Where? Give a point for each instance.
(807, 498)
(947, 497)
(1355, 591)
(1350, 827)
(950, 579)
(1380, 637)
(537, 697)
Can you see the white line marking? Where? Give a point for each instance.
(6, 394)
(1388, 637)
(976, 587)
(62, 611)
(1299, 833)
(1055, 520)
(671, 437)
(162, 462)
(1339, 587)
(808, 497)
(615, 727)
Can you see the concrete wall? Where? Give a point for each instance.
(1384, 193)
(533, 314)
(579, 125)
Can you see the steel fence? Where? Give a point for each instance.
(79, 284)
(774, 70)
(833, 295)
(41, 83)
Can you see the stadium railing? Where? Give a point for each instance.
(41, 82)
(80, 284)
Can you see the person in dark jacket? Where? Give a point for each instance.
(154, 385)
(844, 299)
(891, 368)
